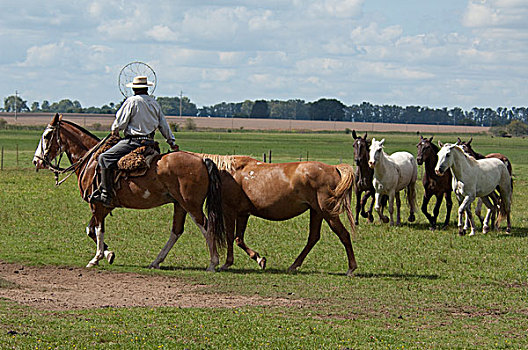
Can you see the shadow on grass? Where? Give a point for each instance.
(404, 276)
(515, 232)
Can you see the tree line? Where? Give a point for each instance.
(322, 109)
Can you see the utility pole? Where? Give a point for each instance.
(181, 96)
(16, 100)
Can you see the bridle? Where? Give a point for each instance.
(55, 168)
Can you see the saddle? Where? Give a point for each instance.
(134, 164)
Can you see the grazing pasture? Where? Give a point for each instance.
(413, 288)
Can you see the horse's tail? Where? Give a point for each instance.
(505, 200)
(342, 194)
(213, 204)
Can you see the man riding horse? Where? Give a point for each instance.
(139, 117)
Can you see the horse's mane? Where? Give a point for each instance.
(80, 128)
(227, 163)
(470, 158)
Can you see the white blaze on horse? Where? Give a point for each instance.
(393, 173)
(475, 178)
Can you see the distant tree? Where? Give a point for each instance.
(327, 109)
(66, 106)
(260, 109)
(12, 103)
(171, 106)
(45, 106)
(517, 128)
(35, 107)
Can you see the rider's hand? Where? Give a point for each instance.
(174, 147)
(115, 132)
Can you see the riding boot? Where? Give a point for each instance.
(104, 193)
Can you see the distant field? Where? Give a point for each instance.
(254, 124)
(414, 289)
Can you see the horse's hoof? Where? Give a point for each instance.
(432, 228)
(110, 256)
(370, 219)
(485, 229)
(224, 267)
(211, 268)
(292, 268)
(472, 233)
(92, 264)
(461, 232)
(385, 220)
(262, 263)
(364, 214)
(154, 266)
(350, 272)
(508, 230)
(412, 218)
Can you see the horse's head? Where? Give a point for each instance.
(49, 146)
(361, 147)
(466, 146)
(445, 157)
(426, 150)
(376, 151)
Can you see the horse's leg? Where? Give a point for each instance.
(478, 211)
(316, 219)
(229, 224)
(449, 206)
(491, 210)
(411, 200)
(178, 222)
(398, 208)
(359, 206)
(241, 225)
(344, 236)
(90, 231)
(436, 209)
(99, 214)
(465, 206)
(391, 207)
(371, 194)
(425, 203)
(379, 207)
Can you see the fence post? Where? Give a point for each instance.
(2, 161)
(307, 158)
(269, 156)
(264, 157)
(17, 155)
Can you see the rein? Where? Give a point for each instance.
(57, 170)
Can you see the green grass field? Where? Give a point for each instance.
(413, 288)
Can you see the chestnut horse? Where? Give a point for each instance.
(279, 192)
(434, 185)
(180, 178)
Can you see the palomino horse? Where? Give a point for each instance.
(475, 178)
(179, 178)
(391, 175)
(279, 192)
(364, 177)
(466, 146)
(434, 185)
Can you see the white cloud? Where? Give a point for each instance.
(162, 33)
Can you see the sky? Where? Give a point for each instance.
(436, 53)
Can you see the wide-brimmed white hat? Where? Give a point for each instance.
(140, 82)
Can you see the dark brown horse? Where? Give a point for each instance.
(279, 192)
(434, 185)
(364, 177)
(493, 197)
(180, 178)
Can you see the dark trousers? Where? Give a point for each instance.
(110, 158)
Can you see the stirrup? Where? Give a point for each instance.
(100, 196)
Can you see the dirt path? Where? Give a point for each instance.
(63, 288)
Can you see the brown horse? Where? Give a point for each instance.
(364, 177)
(494, 197)
(434, 185)
(279, 192)
(180, 178)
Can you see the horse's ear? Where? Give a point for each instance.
(421, 137)
(459, 141)
(365, 137)
(382, 142)
(469, 142)
(431, 138)
(56, 119)
(440, 144)
(354, 135)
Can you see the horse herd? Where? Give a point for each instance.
(235, 187)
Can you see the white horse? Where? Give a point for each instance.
(475, 178)
(391, 175)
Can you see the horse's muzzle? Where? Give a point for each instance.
(372, 164)
(439, 172)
